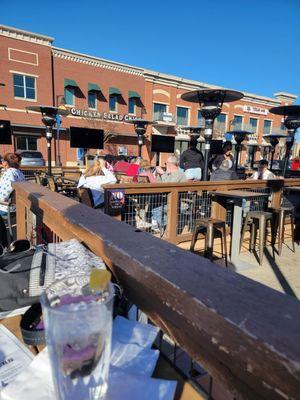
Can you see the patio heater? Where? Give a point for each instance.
(140, 127)
(211, 102)
(49, 114)
(194, 131)
(273, 139)
(292, 123)
(239, 137)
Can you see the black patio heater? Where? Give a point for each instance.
(239, 137)
(292, 123)
(273, 139)
(194, 131)
(49, 120)
(140, 127)
(211, 102)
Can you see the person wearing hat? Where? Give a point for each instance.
(145, 170)
(224, 172)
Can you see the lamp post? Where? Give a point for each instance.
(211, 102)
(49, 114)
(239, 137)
(140, 127)
(292, 123)
(273, 139)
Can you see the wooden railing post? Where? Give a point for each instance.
(21, 218)
(172, 216)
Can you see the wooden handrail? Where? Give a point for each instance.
(244, 333)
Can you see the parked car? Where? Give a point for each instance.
(31, 158)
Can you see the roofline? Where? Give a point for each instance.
(286, 94)
(32, 34)
(104, 60)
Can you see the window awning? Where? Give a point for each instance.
(114, 91)
(133, 95)
(93, 87)
(70, 83)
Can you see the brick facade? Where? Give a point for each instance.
(29, 54)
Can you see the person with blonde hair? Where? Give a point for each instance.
(96, 176)
(11, 164)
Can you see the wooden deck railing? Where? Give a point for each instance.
(245, 334)
(175, 192)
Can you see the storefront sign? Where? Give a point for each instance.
(98, 115)
(256, 110)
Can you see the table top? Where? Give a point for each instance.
(238, 194)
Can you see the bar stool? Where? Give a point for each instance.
(257, 219)
(211, 226)
(280, 213)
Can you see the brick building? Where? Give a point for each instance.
(103, 94)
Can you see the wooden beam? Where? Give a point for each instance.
(244, 333)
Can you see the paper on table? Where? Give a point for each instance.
(36, 384)
(132, 362)
(125, 331)
(14, 356)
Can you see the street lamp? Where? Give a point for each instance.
(49, 114)
(273, 139)
(140, 127)
(211, 102)
(292, 123)
(239, 137)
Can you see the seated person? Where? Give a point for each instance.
(145, 170)
(224, 172)
(226, 155)
(94, 178)
(191, 161)
(122, 165)
(11, 164)
(173, 173)
(263, 172)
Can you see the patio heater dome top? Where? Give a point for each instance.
(274, 135)
(292, 110)
(212, 95)
(239, 133)
(48, 110)
(194, 128)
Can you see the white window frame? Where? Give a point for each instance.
(257, 119)
(243, 120)
(189, 114)
(73, 91)
(96, 101)
(117, 104)
(35, 86)
(135, 106)
(159, 102)
(271, 126)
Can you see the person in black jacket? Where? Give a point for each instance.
(224, 172)
(191, 161)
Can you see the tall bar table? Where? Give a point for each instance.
(241, 205)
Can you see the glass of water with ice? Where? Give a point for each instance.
(78, 326)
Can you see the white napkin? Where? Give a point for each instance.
(132, 363)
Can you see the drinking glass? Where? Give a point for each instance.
(78, 327)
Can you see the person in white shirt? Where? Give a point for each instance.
(263, 172)
(94, 178)
(11, 164)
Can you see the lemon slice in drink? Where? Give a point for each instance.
(99, 279)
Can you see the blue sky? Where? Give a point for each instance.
(245, 45)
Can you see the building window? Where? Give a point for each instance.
(26, 143)
(132, 106)
(70, 96)
(282, 128)
(158, 111)
(182, 114)
(267, 126)
(221, 123)
(92, 100)
(253, 125)
(237, 122)
(201, 120)
(113, 103)
(24, 87)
